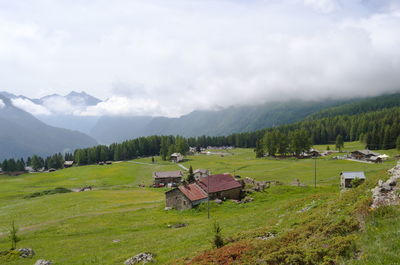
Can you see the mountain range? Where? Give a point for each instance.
(36, 132)
(22, 135)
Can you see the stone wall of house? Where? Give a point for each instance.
(166, 181)
(175, 199)
(233, 194)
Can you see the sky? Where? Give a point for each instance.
(158, 57)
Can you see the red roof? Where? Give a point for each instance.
(193, 192)
(219, 183)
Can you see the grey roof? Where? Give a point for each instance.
(353, 175)
(366, 152)
(168, 174)
(200, 170)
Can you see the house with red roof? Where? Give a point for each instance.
(222, 186)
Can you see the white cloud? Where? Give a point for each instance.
(29, 106)
(159, 58)
(325, 6)
(2, 105)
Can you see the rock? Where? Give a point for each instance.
(116, 241)
(141, 258)
(247, 199)
(386, 187)
(177, 225)
(218, 201)
(266, 236)
(43, 262)
(26, 252)
(386, 193)
(167, 208)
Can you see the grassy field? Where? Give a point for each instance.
(118, 219)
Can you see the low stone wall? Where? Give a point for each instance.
(387, 192)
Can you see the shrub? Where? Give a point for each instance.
(356, 182)
(218, 241)
(48, 192)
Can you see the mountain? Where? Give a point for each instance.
(22, 134)
(211, 123)
(57, 110)
(76, 99)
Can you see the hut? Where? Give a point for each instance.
(185, 197)
(176, 157)
(68, 164)
(347, 177)
(171, 178)
(363, 154)
(222, 186)
(201, 173)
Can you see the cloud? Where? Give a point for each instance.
(158, 58)
(29, 106)
(2, 105)
(325, 6)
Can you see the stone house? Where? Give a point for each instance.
(200, 173)
(185, 197)
(347, 177)
(172, 178)
(314, 153)
(222, 186)
(68, 164)
(363, 154)
(375, 159)
(176, 157)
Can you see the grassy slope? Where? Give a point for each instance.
(79, 228)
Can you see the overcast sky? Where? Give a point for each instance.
(159, 57)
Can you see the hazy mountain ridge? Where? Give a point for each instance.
(23, 135)
(208, 122)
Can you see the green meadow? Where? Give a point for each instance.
(119, 219)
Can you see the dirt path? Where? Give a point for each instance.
(51, 222)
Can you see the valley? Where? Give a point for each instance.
(118, 219)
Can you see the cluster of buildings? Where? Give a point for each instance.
(205, 187)
(368, 155)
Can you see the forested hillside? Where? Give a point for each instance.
(209, 122)
(362, 106)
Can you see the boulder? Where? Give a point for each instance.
(218, 201)
(26, 252)
(141, 258)
(43, 262)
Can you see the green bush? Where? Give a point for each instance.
(48, 192)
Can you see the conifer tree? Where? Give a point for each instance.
(190, 177)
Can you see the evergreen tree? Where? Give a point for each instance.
(190, 177)
(398, 143)
(259, 149)
(339, 142)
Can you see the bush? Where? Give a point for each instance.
(48, 192)
(356, 182)
(218, 241)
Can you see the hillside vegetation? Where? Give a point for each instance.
(118, 219)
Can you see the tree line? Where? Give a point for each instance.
(377, 130)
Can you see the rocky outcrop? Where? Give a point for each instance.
(387, 192)
(141, 258)
(26, 252)
(252, 185)
(43, 262)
